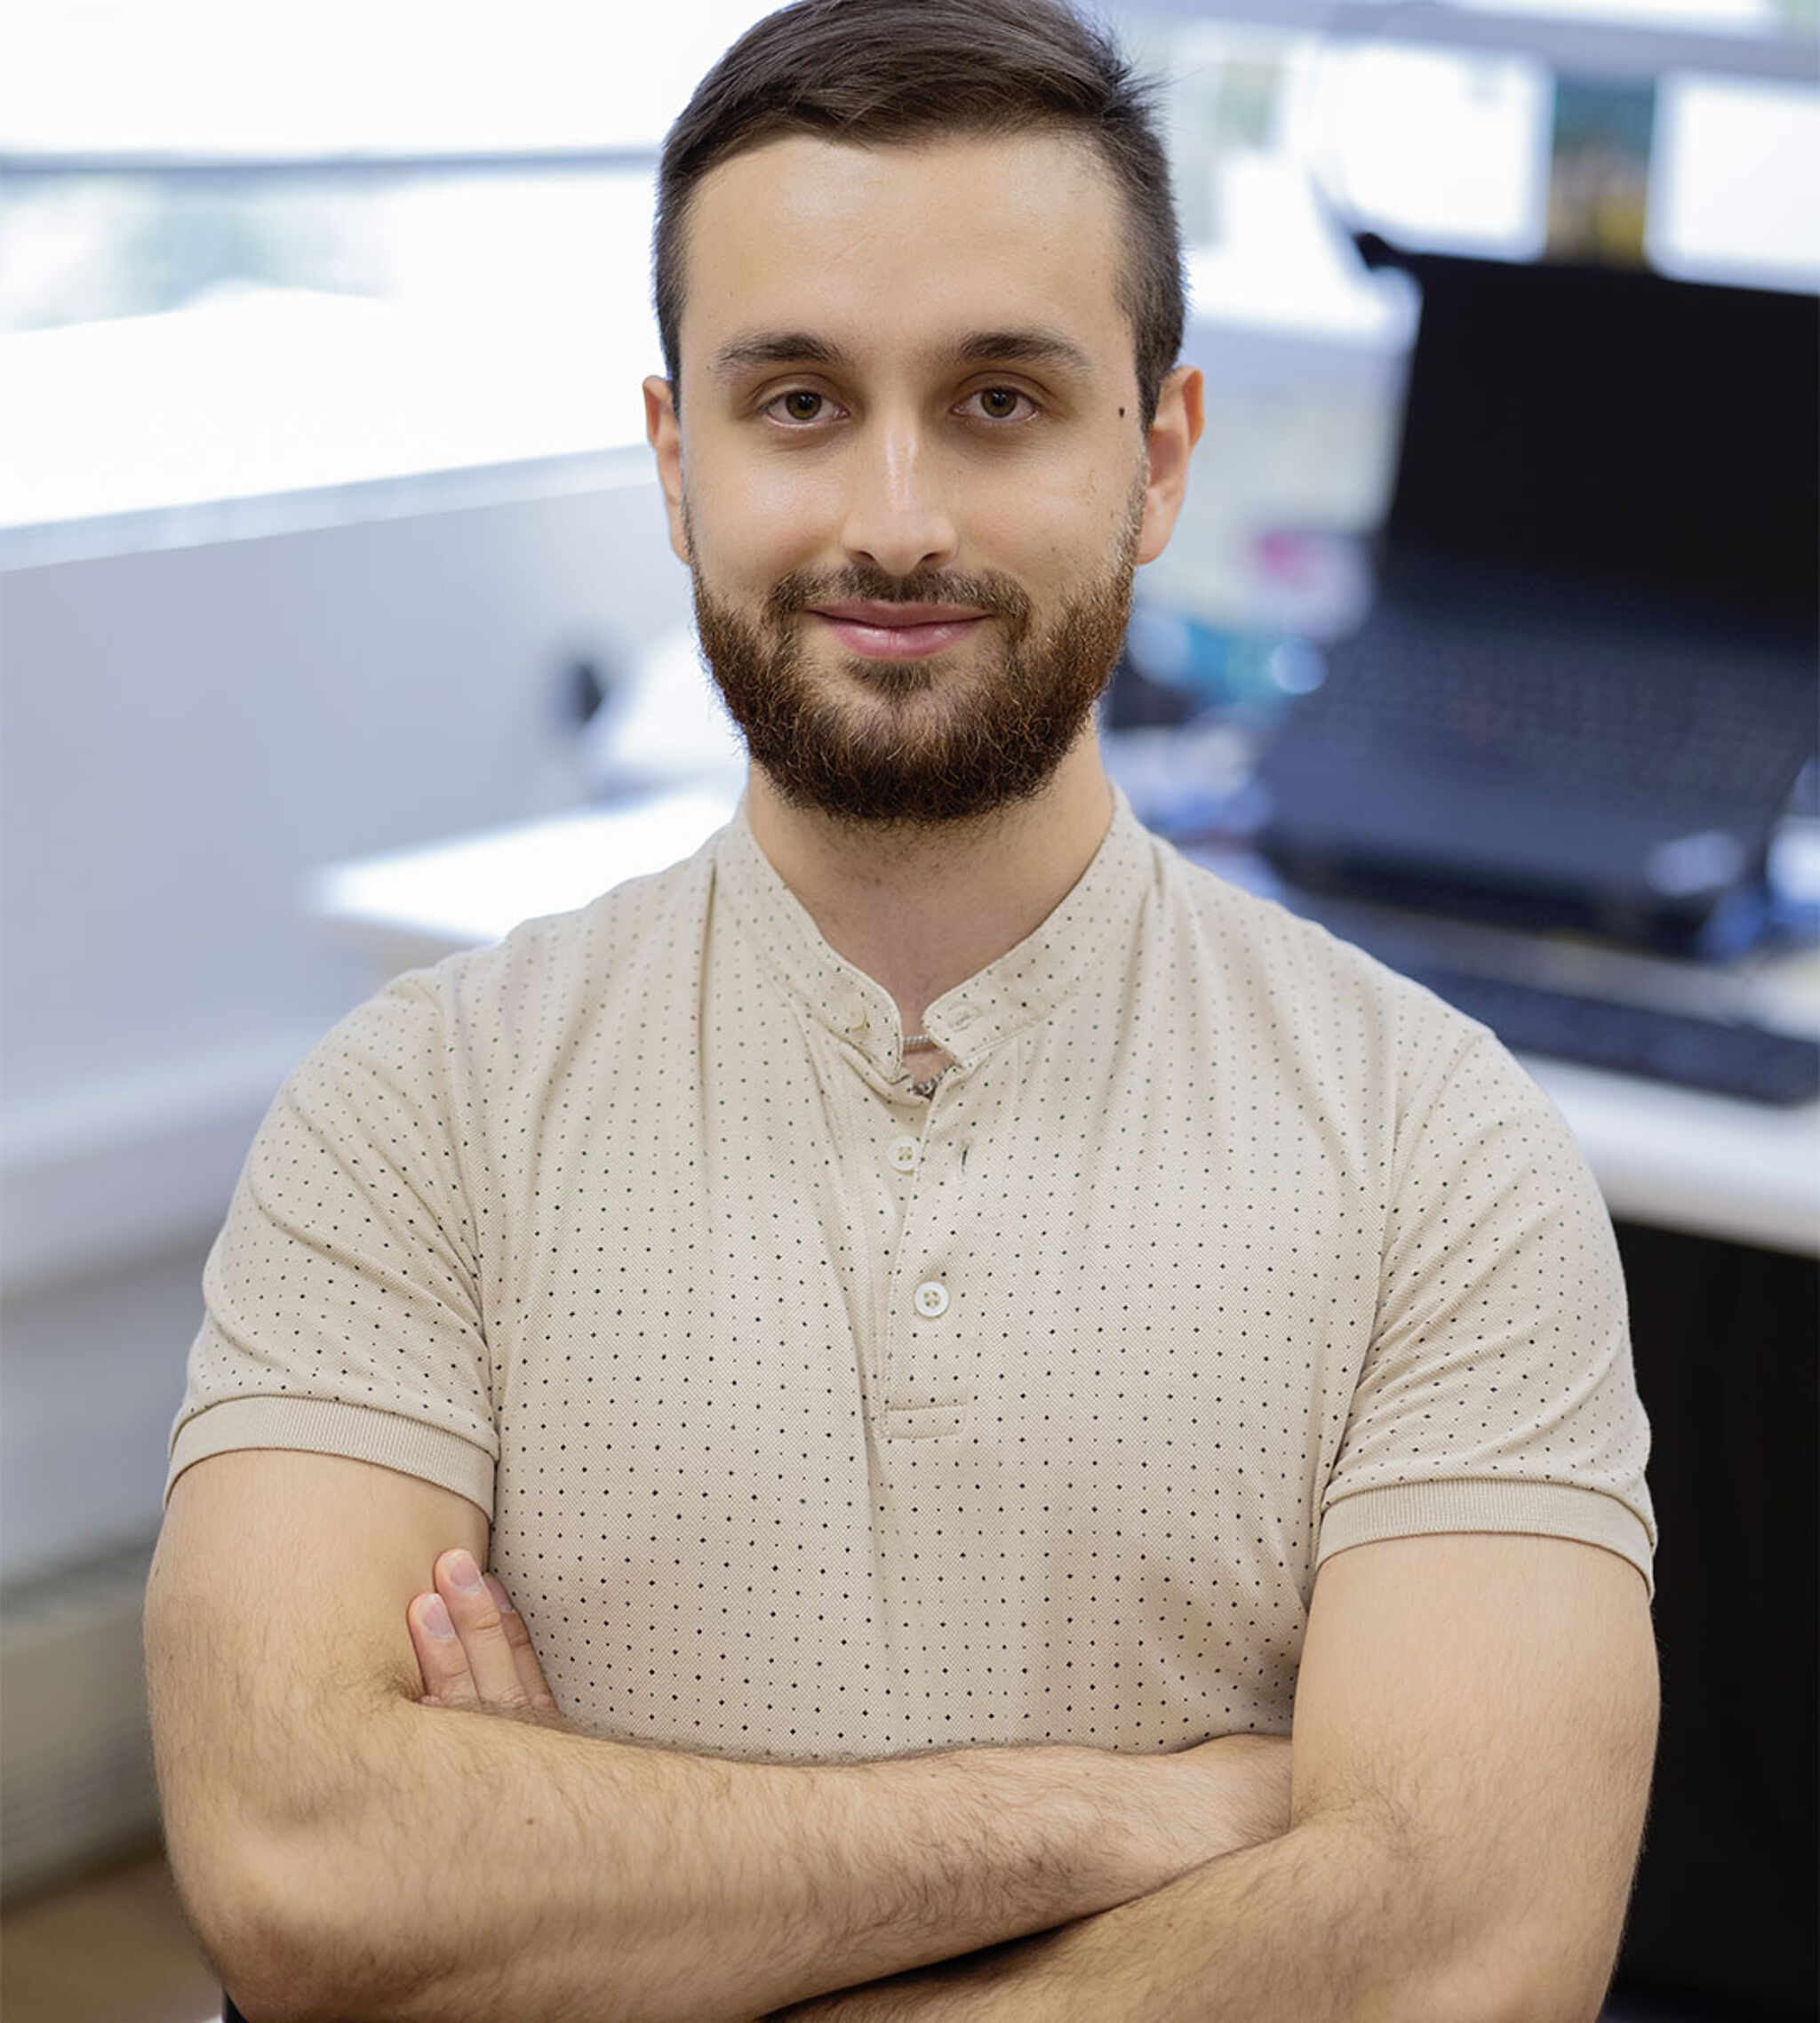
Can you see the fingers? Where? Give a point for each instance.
(531, 1674)
(473, 1647)
(440, 1658)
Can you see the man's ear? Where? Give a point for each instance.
(665, 434)
(1180, 417)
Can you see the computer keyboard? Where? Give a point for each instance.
(1609, 714)
(1743, 1061)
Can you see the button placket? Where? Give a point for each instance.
(928, 1380)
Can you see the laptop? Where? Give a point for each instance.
(1587, 686)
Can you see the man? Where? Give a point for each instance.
(957, 1329)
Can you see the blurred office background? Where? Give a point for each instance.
(328, 545)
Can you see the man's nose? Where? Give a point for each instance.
(898, 513)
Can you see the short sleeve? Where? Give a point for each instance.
(343, 1312)
(1498, 1393)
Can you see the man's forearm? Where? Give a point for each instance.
(1323, 1925)
(481, 1868)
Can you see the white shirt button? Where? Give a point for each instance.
(932, 1299)
(903, 1154)
(851, 1011)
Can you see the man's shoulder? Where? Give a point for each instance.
(1245, 931)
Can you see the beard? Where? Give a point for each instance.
(921, 744)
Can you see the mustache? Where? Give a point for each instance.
(805, 589)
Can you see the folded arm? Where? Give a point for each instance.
(1475, 1734)
(347, 1851)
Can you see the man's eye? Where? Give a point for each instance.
(1001, 403)
(798, 405)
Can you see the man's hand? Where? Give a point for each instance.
(473, 1648)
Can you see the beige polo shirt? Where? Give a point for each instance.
(815, 1419)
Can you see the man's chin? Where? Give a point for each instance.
(890, 764)
(895, 681)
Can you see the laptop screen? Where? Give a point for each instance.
(1616, 426)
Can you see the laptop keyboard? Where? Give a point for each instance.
(1606, 716)
(1742, 1061)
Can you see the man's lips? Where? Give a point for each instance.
(897, 632)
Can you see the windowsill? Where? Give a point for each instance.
(408, 495)
(257, 410)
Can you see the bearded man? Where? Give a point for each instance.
(1064, 1443)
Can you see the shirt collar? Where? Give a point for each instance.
(1091, 925)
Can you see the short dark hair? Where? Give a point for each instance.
(872, 72)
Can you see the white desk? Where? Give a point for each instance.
(1666, 1156)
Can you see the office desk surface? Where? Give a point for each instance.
(1670, 1157)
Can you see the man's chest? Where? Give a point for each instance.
(830, 1417)
(798, 1242)
(929, 1389)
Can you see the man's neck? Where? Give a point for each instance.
(920, 911)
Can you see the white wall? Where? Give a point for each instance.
(187, 734)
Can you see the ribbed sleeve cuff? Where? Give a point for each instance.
(321, 1426)
(1555, 1510)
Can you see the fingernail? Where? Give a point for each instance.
(434, 1616)
(464, 1574)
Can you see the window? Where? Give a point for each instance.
(249, 254)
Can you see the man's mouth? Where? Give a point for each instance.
(897, 632)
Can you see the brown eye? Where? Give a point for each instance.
(1001, 402)
(802, 405)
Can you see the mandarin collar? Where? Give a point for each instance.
(1024, 985)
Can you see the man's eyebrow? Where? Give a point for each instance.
(1032, 347)
(1022, 347)
(774, 348)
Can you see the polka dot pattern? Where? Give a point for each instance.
(816, 1418)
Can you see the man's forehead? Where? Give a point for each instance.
(958, 249)
(989, 161)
